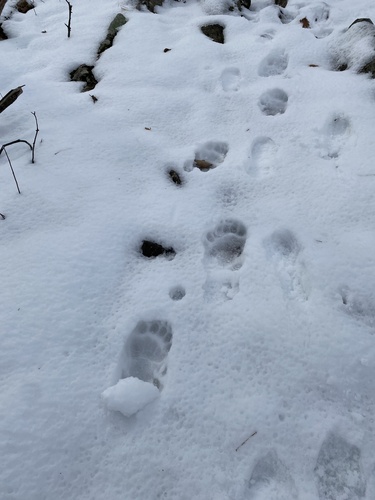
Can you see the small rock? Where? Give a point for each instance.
(150, 4)
(166, 50)
(214, 31)
(281, 3)
(355, 48)
(150, 249)
(113, 28)
(175, 177)
(361, 20)
(84, 74)
(24, 6)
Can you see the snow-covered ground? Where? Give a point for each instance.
(259, 330)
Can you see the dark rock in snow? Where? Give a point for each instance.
(24, 6)
(214, 31)
(281, 3)
(150, 249)
(175, 177)
(84, 74)
(361, 20)
(3, 35)
(113, 28)
(355, 48)
(242, 3)
(150, 4)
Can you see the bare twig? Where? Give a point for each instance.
(11, 167)
(70, 18)
(15, 142)
(36, 135)
(246, 440)
(2, 216)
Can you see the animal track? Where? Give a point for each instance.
(263, 152)
(273, 102)
(223, 254)
(177, 293)
(208, 156)
(359, 306)
(334, 135)
(284, 248)
(226, 242)
(145, 352)
(230, 79)
(274, 64)
(338, 470)
(271, 479)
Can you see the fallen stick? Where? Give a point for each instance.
(246, 440)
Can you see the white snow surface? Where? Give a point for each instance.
(129, 395)
(259, 333)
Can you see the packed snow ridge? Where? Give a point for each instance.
(188, 298)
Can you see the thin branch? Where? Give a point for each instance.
(14, 175)
(70, 18)
(36, 135)
(246, 440)
(15, 142)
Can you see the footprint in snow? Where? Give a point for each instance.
(207, 156)
(145, 352)
(334, 135)
(338, 472)
(317, 17)
(263, 156)
(271, 479)
(275, 63)
(230, 79)
(273, 102)
(284, 249)
(359, 306)
(224, 247)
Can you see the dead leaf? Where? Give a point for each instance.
(203, 164)
(305, 22)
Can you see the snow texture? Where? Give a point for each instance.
(242, 368)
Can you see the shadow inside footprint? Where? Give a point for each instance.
(286, 244)
(145, 352)
(334, 135)
(338, 470)
(271, 479)
(274, 64)
(263, 156)
(230, 79)
(284, 249)
(359, 306)
(273, 102)
(225, 243)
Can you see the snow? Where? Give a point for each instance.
(262, 324)
(129, 395)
